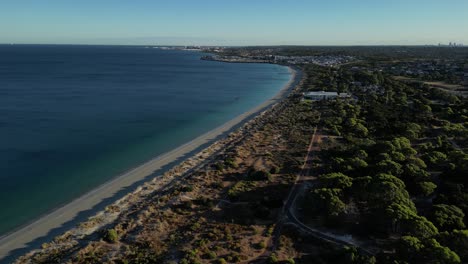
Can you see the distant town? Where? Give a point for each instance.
(318, 60)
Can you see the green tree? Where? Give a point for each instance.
(358, 163)
(457, 240)
(405, 220)
(326, 200)
(426, 188)
(437, 253)
(413, 130)
(447, 217)
(397, 156)
(362, 154)
(360, 130)
(434, 158)
(336, 180)
(350, 255)
(401, 143)
(415, 173)
(423, 110)
(421, 227)
(409, 248)
(390, 167)
(385, 189)
(413, 250)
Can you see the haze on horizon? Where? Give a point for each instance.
(242, 22)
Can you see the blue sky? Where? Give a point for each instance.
(236, 22)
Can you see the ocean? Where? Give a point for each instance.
(74, 117)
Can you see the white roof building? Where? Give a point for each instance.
(322, 95)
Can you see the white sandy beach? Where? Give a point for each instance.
(41, 227)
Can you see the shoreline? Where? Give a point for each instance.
(66, 217)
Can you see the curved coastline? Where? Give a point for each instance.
(67, 216)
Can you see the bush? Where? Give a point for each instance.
(211, 255)
(275, 170)
(261, 244)
(231, 163)
(270, 230)
(236, 258)
(260, 175)
(273, 258)
(187, 188)
(111, 236)
(219, 166)
(195, 226)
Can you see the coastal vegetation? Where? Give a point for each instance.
(390, 172)
(383, 179)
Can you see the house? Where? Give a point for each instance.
(344, 96)
(320, 95)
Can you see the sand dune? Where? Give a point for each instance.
(56, 219)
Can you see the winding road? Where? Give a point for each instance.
(288, 214)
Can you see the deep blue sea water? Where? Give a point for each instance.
(73, 117)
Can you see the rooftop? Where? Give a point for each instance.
(318, 93)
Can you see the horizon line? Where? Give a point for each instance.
(461, 45)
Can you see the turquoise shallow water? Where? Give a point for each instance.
(74, 117)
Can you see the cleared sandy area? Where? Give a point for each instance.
(454, 89)
(11, 244)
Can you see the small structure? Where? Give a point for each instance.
(322, 95)
(344, 96)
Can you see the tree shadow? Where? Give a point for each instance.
(259, 205)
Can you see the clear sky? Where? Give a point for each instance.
(234, 22)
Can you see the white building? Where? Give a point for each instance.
(322, 95)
